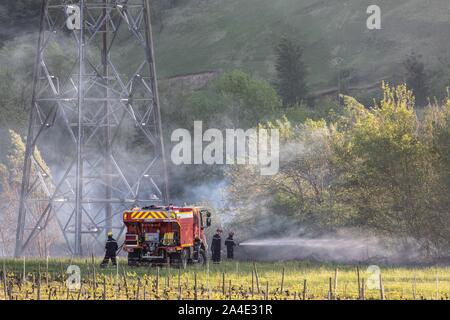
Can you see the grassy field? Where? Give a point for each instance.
(276, 280)
(219, 35)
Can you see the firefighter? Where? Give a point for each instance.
(230, 244)
(111, 248)
(216, 246)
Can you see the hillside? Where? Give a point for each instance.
(219, 35)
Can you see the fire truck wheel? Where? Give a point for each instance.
(133, 259)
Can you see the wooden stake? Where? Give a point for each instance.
(256, 275)
(195, 285)
(79, 292)
(39, 283)
(253, 282)
(104, 288)
(437, 286)
(46, 272)
(304, 289)
(223, 283)
(335, 286)
(381, 288)
(414, 287)
(125, 283)
(363, 289)
(179, 284)
(282, 280)
(5, 281)
(330, 289)
(138, 288)
(24, 271)
(359, 282)
(157, 281)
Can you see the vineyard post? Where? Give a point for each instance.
(437, 286)
(267, 290)
(125, 283)
(229, 289)
(117, 268)
(330, 289)
(336, 274)
(79, 292)
(381, 288)
(24, 270)
(49, 293)
(61, 268)
(223, 283)
(46, 271)
(157, 281)
(39, 283)
(414, 287)
(359, 282)
(304, 289)
(179, 284)
(195, 285)
(282, 281)
(256, 275)
(363, 289)
(207, 279)
(5, 282)
(253, 282)
(138, 288)
(93, 273)
(168, 280)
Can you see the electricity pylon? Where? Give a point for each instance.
(96, 121)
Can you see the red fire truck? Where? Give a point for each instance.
(174, 235)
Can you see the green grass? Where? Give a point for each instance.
(398, 281)
(221, 35)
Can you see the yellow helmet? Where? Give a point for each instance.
(110, 234)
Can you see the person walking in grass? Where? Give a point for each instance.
(111, 248)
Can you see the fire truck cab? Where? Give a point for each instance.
(157, 235)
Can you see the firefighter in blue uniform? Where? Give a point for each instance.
(216, 246)
(230, 244)
(111, 248)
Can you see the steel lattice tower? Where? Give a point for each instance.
(95, 118)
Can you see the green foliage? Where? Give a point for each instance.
(381, 169)
(12, 151)
(234, 100)
(291, 73)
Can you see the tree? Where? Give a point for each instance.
(380, 170)
(388, 171)
(12, 150)
(416, 78)
(234, 100)
(291, 73)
